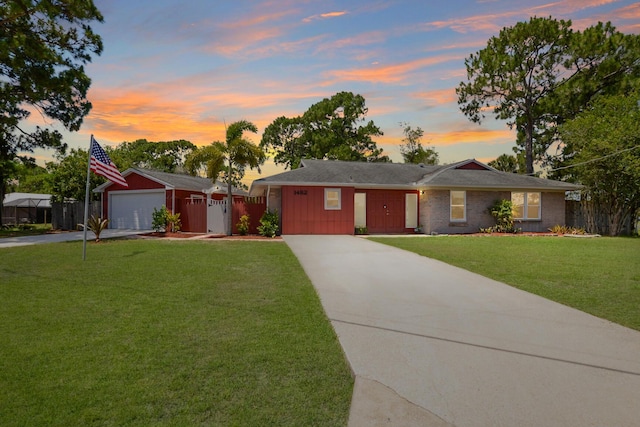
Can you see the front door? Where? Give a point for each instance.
(385, 211)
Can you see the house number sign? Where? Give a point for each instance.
(300, 192)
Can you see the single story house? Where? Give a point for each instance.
(132, 207)
(336, 197)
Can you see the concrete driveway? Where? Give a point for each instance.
(435, 345)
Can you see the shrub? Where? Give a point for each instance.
(564, 229)
(173, 222)
(269, 224)
(361, 230)
(159, 219)
(96, 225)
(502, 211)
(243, 225)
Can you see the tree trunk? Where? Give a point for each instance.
(229, 201)
(528, 147)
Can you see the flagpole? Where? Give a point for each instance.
(86, 202)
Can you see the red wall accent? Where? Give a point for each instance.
(473, 166)
(303, 211)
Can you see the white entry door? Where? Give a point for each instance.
(133, 210)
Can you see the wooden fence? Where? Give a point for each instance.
(67, 215)
(252, 206)
(584, 214)
(193, 215)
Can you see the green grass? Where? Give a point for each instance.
(600, 276)
(24, 230)
(165, 333)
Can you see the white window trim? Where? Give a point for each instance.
(525, 207)
(326, 199)
(451, 219)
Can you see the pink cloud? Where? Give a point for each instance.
(324, 16)
(493, 23)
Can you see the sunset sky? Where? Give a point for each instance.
(178, 70)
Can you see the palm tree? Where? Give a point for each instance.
(230, 157)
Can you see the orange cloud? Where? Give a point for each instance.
(463, 135)
(469, 136)
(130, 115)
(437, 97)
(242, 41)
(258, 19)
(391, 73)
(187, 109)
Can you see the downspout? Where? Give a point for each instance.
(173, 201)
(268, 191)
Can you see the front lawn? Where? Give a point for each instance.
(600, 276)
(165, 333)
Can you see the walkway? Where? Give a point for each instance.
(435, 345)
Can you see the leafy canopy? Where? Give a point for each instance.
(540, 73)
(412, 150)
(602, 152)
(333, 128)
(43, 48)
(165, 156)
(68, 177)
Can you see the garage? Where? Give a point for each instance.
(134, 209)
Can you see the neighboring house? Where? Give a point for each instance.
(22, 208)
(335, 197)
(132, 207)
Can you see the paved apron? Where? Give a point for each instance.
(432, 344)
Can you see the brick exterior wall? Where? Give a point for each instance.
(435, 214)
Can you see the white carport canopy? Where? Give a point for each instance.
(27, 200)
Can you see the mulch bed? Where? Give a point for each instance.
(187, 235)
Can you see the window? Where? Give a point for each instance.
(525, 205)
(458, 206)
(332, 199)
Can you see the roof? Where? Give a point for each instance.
(466, 174)
(177, 181)
(336, 172)
(26, 200)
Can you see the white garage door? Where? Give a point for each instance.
(133, 209)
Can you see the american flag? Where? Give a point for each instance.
(102, 165)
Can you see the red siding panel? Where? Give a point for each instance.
(472, 166)
(303, 211)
